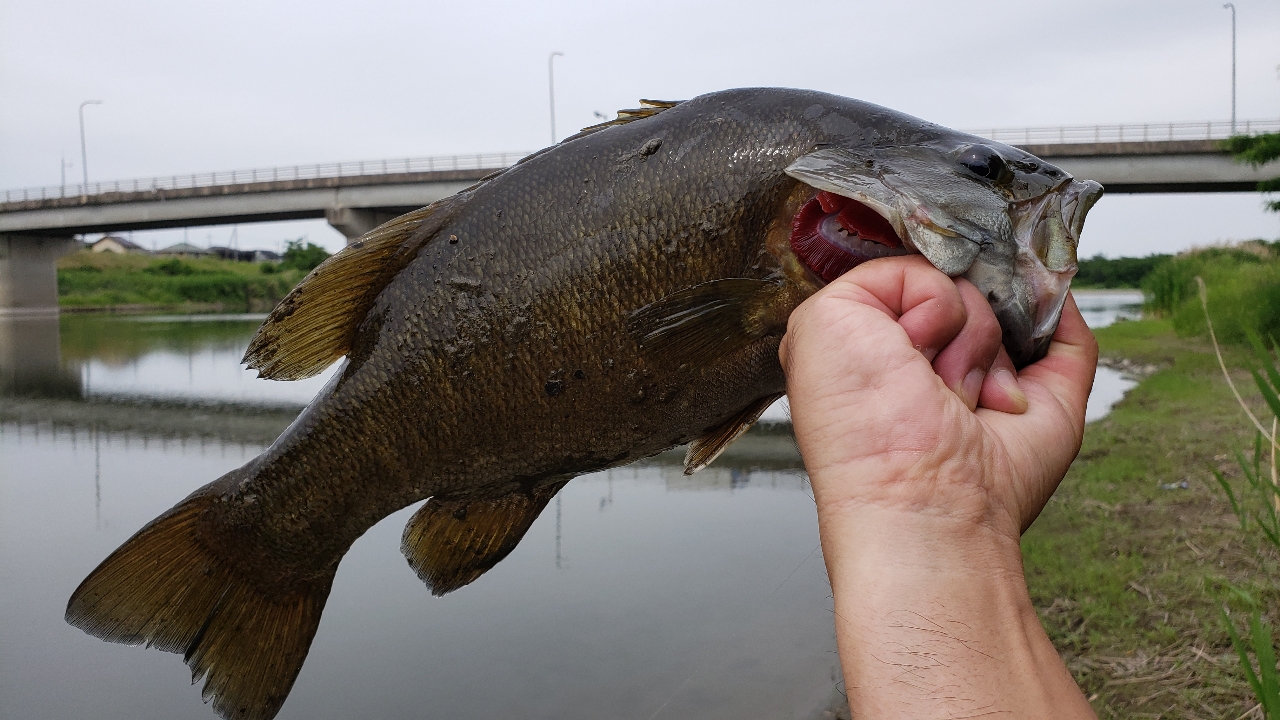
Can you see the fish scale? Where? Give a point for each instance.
(619, 294)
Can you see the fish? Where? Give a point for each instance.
(613, 296)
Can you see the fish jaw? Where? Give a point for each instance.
(1019, 251)
(1028, 301)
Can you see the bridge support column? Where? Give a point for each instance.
(28, 275)
(354, 222)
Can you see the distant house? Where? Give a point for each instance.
(245, 255)
(116, 244)
(186, 249)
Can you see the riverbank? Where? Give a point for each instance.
(1124, 563)
(136, 283)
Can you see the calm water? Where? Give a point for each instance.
(641, 593)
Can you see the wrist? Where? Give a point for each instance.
(934, 619)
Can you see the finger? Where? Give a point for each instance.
(923, 300)
(1000, 389)
(964, 363)
(1066, 372)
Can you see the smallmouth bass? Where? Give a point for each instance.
(613, 296)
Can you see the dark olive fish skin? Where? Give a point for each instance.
(502, 360)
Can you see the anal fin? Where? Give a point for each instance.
(450, 543)
(703, 451)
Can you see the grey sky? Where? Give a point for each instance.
(246, 83)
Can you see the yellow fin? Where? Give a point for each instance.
(703, 323)
(703, 451)
(165, 589)
(450, 543)
(315, 323)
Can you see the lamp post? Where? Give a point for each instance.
(551, 87)
(1232, 7)
(65, 165)
(84, 158)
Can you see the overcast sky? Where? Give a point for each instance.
(196, 87)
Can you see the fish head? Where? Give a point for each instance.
(996, 215)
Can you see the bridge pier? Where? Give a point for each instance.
(354, 222)
(28, 274)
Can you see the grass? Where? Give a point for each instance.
(1129, 578)
(88, 280)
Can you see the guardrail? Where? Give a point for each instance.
(1146, 132)
(359, 168)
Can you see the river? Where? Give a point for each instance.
(639, 593)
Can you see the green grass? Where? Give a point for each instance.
(1128, 577)
(110, 281)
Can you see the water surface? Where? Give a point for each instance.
(639, 593)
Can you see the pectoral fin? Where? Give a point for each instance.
(450, 543)
(708, 321)
(703, 451)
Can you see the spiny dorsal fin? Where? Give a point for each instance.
(315, 323)
(450, 543)
(703, 323)
(648, 108)
(703, 451)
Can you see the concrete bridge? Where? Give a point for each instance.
(36, 224)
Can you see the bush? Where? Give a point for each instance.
(1243, 290)
(303, 257)
(171, 267)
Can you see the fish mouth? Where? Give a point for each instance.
(1018, 249)
(833, 234)
(1050, 245)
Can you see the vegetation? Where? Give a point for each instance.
(1258, 150)
(1125, 272)
(302, 257)
(1244, 290)
(1133, 557)
(107, 280)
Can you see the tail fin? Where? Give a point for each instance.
(165, 589)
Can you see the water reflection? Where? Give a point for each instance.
(31, 359)
(671, 599)
(644, 593)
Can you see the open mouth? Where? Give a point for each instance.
(833, 234)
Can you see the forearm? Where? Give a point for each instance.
(933, 619)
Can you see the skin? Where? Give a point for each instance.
(928, 459)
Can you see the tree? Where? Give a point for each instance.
(1258, 150)
(303, 257)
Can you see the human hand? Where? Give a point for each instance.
(896, 376)
(928, 456)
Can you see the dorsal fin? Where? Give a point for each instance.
(648, 108)
(450, 543)
(703, 451)
(315, 323)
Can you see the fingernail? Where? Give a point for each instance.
(928, 353)
(1009, 383)
(971, 387)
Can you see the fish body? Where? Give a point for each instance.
(616, 295)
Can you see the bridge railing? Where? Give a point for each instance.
(1145, 132)
(435, 163)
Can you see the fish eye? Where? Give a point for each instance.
(985, 163)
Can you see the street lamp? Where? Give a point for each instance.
(551, 87)
(84, 160)
(1232, 7)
